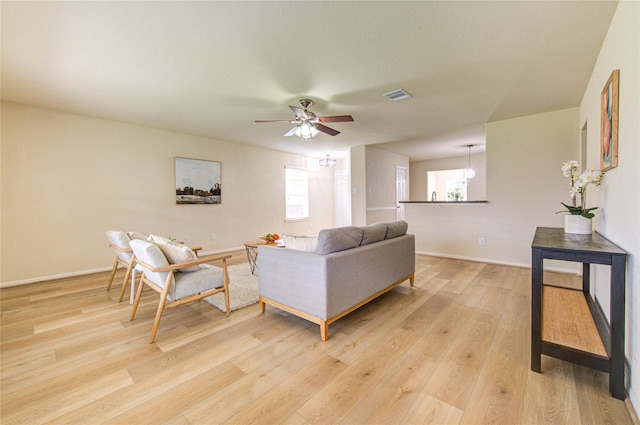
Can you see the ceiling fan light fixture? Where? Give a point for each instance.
(327, 162)
(308, 124)
(306, 131)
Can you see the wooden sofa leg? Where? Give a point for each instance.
(412, 280)
(262, 305)
(324, 330)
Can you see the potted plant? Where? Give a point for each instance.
(579, 218)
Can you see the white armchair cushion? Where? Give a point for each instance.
(152, 255)
(121, 240)
(187, 284)
(175, 253)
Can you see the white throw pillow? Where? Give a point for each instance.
(157, 239)
(138, 235)
(175, 252)
(300, 243)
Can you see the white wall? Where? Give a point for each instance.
(524, 188)
(618, 198)
(358, 169)
(66, 179)
(381, 183)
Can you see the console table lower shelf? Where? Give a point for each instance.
(569, 330)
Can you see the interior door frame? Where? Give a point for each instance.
(401, 190)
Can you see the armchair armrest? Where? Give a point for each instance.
(177, 266)
(117, 248)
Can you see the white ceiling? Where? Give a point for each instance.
(212, 68)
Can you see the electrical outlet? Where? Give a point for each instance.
(481, 241)
(213, 236)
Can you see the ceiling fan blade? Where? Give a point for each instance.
(300, 113)
(292, 122)
(336, 118)
(327, 130)
(291, 132)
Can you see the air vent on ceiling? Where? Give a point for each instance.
(397, 95)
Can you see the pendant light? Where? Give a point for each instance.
(327, 162)
(469, 172)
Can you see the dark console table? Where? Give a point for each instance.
(592, 342)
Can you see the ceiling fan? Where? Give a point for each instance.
(309, 125)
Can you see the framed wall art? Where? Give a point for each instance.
(197, 181)
(609, 123)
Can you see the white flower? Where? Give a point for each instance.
(592, 176)
(569, 167)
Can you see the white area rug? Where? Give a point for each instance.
(243, 289)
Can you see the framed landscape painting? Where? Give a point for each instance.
(609, 123)
(197, 181)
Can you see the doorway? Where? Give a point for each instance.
(401, 191)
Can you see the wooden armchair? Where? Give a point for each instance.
(176, 286)
(119, 241)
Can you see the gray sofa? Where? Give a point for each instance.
(349, 267)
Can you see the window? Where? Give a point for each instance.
(446, 185)
(296, 186)
(456, 190)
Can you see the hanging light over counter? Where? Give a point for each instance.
(469, 172)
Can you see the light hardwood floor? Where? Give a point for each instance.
(452, 350)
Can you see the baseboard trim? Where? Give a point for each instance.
(51, 277)
(222, 251)
(492, 261)
(89, 271)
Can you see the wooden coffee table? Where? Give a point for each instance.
(252, 251)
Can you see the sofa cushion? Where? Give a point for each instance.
(300, 243)
(338, 239)
(175, 253)
(397, 228)
(373, 233)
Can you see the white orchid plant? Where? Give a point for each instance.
(579, 187)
